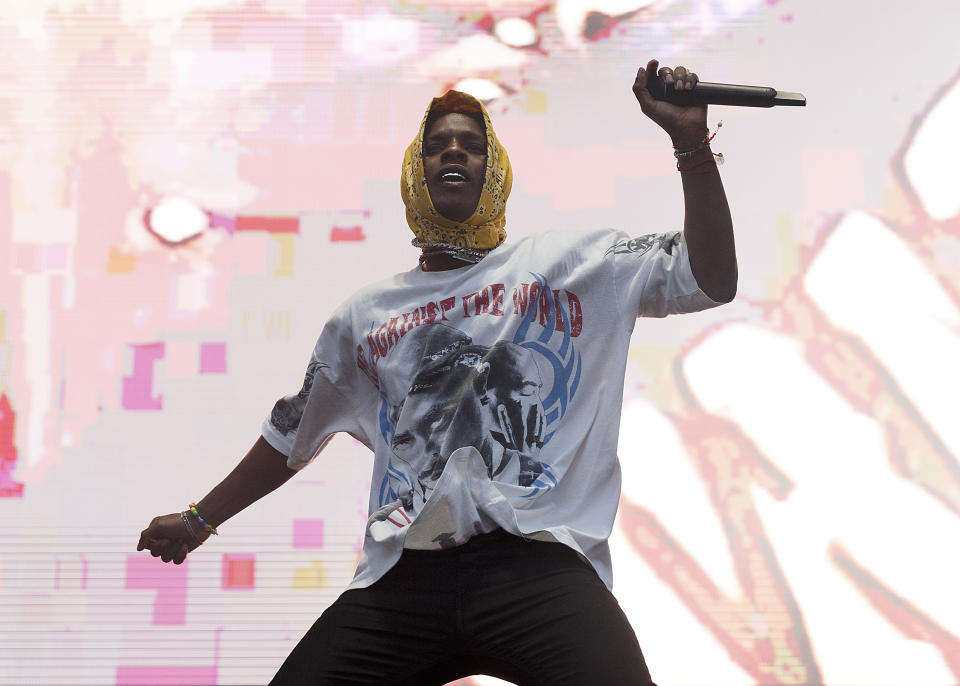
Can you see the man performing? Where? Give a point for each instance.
(488, 381)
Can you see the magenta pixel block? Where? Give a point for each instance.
(237, 571)
(170, 582)
(138, 387)
(221, 221)
(171, 674)
(166, 675)
(213, 358)
(307, 533)
(9, 488)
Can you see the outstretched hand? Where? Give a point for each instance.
(686, 125)
(168, 538)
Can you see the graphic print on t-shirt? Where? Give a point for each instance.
(442, 391)
(288, 411)
(641, 245)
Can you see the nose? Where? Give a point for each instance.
(453, 152)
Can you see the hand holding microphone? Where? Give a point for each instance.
(684, 124)
(676, 100)
(705, 93)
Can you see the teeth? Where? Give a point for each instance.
(453, 176)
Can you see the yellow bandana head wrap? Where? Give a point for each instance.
(483, 229)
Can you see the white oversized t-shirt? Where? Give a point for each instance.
(490, 394)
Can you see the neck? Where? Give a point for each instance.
(434, 260)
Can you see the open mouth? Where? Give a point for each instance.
(453, 177)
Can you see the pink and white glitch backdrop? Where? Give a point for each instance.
(791, 503)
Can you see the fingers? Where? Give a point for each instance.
(146, 542)
(640, 84)
(679, 78)
(652, 67)
(181, 554)
(145, 539)
(170, 551)
(165, 549)
(641, 80)
(168, 538)
(666, 73)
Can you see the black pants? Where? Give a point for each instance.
(529, 612)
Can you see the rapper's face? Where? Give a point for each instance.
(439, 418)
(488, 398)
(454, 160)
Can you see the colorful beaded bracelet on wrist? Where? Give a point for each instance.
(206, 527)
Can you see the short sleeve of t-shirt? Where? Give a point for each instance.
(300, 425)
(652, 276)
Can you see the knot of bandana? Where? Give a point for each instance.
(482, 230)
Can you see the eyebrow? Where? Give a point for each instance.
(401, 439)
(435, 413)
(465, 134)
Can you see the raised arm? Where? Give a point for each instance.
(707, 225)
(262, 470)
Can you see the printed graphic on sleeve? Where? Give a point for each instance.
(643, 244)
(441, 391)
(288, 411)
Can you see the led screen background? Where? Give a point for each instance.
(791, 484)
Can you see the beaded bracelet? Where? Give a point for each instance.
(186, 522)
(206, 527)
(680, 154)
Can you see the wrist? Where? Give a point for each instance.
(211, 510)
(695, 158)
(688, 140)
(198, 519)
(197, 534)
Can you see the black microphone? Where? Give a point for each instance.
(706, 93)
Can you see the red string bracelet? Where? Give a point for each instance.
(679, 154)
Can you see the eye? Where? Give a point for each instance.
(435, 420)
